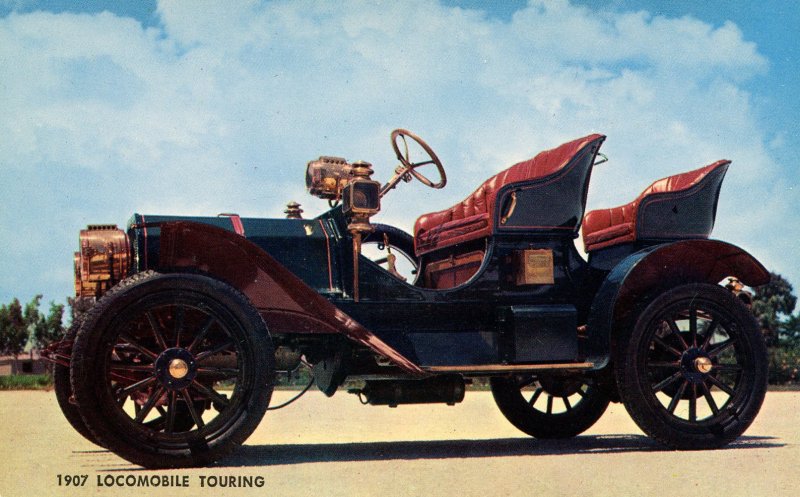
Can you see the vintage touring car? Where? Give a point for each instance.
(191, 317)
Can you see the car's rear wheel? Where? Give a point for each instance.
(550, 406)
(172, 370)
(692, 371)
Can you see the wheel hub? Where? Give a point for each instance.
(703, 365)
(696, 365)
(560, 386)
(176, 368)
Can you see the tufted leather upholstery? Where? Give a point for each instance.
(473, 218)
(616, 225)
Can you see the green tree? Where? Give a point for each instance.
(14, 331)
(773, 304)
(20, 326)
(789, 331)
(49, 329)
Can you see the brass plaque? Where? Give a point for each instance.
(535, 267)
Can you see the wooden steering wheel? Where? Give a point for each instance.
(411, 167)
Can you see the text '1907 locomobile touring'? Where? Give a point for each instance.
(174, 363)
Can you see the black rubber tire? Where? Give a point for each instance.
(659, 376)
(63, 390)
(139, 321)
(524, 414)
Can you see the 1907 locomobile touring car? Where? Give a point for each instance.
(174, 363)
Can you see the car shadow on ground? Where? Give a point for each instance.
(283, 454)
(268, 455)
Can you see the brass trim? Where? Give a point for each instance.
(535, 267)
(703, 365)
(102, 260)
(491, 368)
(178, 368)
(510, 212)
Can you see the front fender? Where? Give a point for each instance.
(643, 274)
(285, 302)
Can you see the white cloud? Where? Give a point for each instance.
(220, 108)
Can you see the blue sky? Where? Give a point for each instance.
(111, 108)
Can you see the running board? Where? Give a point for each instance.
(508, 368)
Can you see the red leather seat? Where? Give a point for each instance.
(473, 218)
(606, 227)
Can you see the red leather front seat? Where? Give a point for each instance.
(475, 216)
(680, 206)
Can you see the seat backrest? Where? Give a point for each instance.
(548, 192)
(681, 206)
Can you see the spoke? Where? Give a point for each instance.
(673, 403)
(693, 403)
(567, 404)
(195, 416)
(664, 364)
(721, 348)
(581, 392)
(549, 404)
(536, 395)
(209, 353)
(199, 338)
(120, 398)
(121, 366)
(725, 388)
(423, 163)
(382, 260)
(173, 397)
(710, 399)
(148, 406)
(673, 327)
(220, 372)
(132, 342)
(693, 325)
(210, 393)
(156, 330)
(709, 333)
(666, 382)
(137, 386)
(728, 368)
(179, 314)
(667, 346)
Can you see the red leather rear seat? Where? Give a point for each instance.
(472, 218)
(616, 225)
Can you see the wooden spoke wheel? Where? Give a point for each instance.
(693, 372)
(172, 370)
(550, 406)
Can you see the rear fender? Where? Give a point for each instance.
(285, 302)
(644, 274)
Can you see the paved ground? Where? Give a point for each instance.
(336, 447)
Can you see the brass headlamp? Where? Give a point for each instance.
(361, 198)
(326, 177)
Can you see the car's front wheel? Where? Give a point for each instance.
(172, 370)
